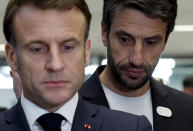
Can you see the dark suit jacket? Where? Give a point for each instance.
(98, 117)
(2, 109)
(180, 104)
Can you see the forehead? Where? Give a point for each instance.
(135, 21)
(35, 20)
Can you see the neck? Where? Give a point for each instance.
(109, 81)
(46, 106)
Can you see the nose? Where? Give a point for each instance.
(55, 61)
(137, 55)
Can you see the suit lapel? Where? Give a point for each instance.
(92, 90)
(15, 119)
(159, 99)
(85, 117)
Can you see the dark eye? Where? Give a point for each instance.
(126, 40)
(36, 49)
(151, 42)
(123, 39)
(66, 47)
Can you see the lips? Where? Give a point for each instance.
(134, 73)
(55, 83)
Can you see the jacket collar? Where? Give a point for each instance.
(160, 95)
(85, 116)
(93, 91)
(157, 87)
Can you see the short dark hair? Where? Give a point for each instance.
(166, 10)
(14, 5)
(188, 81)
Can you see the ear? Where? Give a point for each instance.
(87, 51)
(17, 85)
(10, 53)
(104, 34)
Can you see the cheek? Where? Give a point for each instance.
(77, 65)
(120, 56)
(152, 57)
(76, 74)
(31, 70)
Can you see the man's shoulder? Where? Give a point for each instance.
(13, 119)
(106, 113)
(177, 95)
(180, 97)
(117, 119)
(2, 117)
(175, 98)
(8, 113)
(92, 88)
(179, 103)
(93, 80)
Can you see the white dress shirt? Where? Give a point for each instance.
(33, 112)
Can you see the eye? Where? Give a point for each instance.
(38, 49)
(125, 40)
(151, 42)
(66, 47)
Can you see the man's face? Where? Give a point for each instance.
(134, 45)
(50, 55)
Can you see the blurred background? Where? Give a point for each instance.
(175, 64)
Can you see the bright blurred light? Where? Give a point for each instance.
(2, 47)
(5, 70)
(89, 70)
(183, 28)
(1, 76)
(6, 81)
(104, 62)
(164, 68)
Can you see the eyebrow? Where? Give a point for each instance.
(157, 37)
(45, 42)
(118, 33)
(121, 32)
(33, 42)
(70, 40)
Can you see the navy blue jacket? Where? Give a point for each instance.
(98, 117)
(180, 104)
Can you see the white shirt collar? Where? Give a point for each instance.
(33, 111)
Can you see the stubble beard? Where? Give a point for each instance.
(128, 84)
